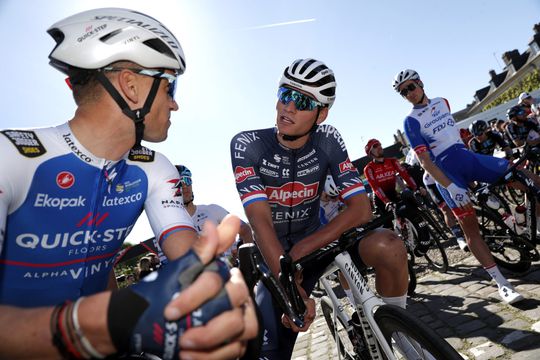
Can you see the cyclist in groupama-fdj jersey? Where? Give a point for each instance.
(280, 173)
(432, 132)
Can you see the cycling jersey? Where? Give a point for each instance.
(529, 130)
(291, 180)
(212, 212)
(487, 147)
(64, 213)
(381, 176)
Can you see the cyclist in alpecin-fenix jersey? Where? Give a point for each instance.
(280, 173)
(432, 132)
(70, 194)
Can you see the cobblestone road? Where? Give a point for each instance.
(463, 306)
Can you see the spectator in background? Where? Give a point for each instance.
(143, 268)
(154, 261)
(529, 104)
(466, 136)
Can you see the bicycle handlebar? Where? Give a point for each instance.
(284, 291)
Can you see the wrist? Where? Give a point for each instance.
(92, 315)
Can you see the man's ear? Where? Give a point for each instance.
(323, 113)
(129, 86)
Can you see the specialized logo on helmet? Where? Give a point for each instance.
(65, 180)
(345, 166)
(241, 173)
(292, 193)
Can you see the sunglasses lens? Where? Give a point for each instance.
(301, 101)
(186, 180)
(172, 89)
(407, 90)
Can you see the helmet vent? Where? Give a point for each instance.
(105, 38)
(159, 46)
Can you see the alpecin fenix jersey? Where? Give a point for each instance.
(64, 213)
(291, 180)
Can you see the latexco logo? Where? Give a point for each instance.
(65, 180)
(292, 193)
(241, 173)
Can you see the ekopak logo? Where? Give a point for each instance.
(292, 193)
(345, 166)
(65, 180)
(242, 173)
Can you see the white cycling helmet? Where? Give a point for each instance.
(403, 76)
(330, 186)
(312, 76)
(96, 38)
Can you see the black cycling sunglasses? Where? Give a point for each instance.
(405, 91)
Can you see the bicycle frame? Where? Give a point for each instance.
(285, 292)
(366, 304)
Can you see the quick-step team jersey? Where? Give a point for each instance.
(381, 176)
(291, 180)
(64, 213)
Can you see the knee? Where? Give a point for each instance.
(382, 247)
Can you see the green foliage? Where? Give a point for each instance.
(529, 83)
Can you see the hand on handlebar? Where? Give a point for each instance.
(309, 315)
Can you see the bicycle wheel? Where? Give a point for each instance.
(436, 255)
(509, 250)
(412, 274)
(349, 341)
(409, 338)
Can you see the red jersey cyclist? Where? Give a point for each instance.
(381, 174)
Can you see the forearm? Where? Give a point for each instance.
(25, 333)
(433, 170)
(178, 243)
(357, 212)
(245, 233)
(268, 243)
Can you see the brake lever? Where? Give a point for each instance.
(286, 277)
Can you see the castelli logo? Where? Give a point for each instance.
(65, 180)
(241, 173)
(292, 193)
(347, 165)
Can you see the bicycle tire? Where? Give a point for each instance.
(411, 287)
(347, 339)
(436, 255)
(392, 319)
(509, 250)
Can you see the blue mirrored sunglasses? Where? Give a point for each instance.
(156, 74)
(186, 180)
(301, 102)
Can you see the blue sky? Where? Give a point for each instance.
(236, 51)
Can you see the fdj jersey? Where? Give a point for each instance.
(64, 213)
(291, 179)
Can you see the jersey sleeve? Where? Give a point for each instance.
(164, 205)
(414, 135)
(343, 171)
(404, 174)
(218, 212)
(246, 172)
(374, 183)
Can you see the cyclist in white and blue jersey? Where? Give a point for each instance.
(434, 136)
